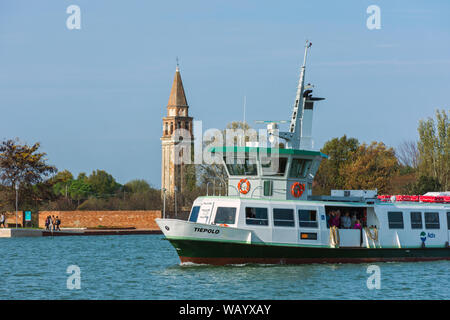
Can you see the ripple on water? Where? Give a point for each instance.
(144, 267)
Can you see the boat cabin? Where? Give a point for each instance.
(269, 173)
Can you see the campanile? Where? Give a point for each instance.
(173, 173)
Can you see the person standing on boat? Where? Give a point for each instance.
(346, 221)
(336, 220)
(329, 217)
(357, 225)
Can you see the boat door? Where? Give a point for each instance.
(204, 216)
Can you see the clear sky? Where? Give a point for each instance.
(95, 97)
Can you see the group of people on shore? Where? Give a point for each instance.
(335, 219)
(52, 223)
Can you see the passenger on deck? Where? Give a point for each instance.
(346, 222)
(330, 218)
(357, 225)
(335, 221)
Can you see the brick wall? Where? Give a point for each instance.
(11, 218)
(140, 219)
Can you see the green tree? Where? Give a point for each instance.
(434, 148)
(61, 182)
(80, 189)
(137, 186)
(423, 185)
(103, 184)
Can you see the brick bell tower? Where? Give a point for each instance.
(173, 173)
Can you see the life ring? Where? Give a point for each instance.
(297, 189)
(223, 225)
(244, 190)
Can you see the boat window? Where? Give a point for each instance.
(241, 167)
(273, 166)
(395, 220)
(256, 216)
(299, 168)
(283, 217)
(416, 220)
(225, 215)
(432, 220)
(307, 218)
(194, 214)
(448, 220)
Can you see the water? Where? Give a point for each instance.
(147, 267)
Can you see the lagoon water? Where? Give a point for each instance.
(147, 267)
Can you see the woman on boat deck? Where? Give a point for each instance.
(357, 225)
(336, 219)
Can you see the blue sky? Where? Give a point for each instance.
(95, 97)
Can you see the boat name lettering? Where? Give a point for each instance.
(215, 231)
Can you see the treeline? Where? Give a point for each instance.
(414, 167)
(100, 191)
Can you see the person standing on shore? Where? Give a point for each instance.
(58, 222)
(3, 220)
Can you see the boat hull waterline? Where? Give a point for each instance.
(224, 253)
(195, 244)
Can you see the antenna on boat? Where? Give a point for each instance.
(301, 120)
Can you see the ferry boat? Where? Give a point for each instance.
(270, 216)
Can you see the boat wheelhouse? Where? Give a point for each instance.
(269, 215)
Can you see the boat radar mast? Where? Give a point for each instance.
(299, 135)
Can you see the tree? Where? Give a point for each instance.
(408, 154)
(423, 185)
(80, 189)
(102, 183)
(434, 148)
(371, 167)
(23, 165)
(340, 153)
(137, 186)
(61, 182)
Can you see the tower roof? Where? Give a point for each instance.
(177, 96)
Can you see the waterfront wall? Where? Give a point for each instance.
(139, 219)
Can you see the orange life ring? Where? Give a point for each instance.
(297, 189)
(223, 225)
(246, 189)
